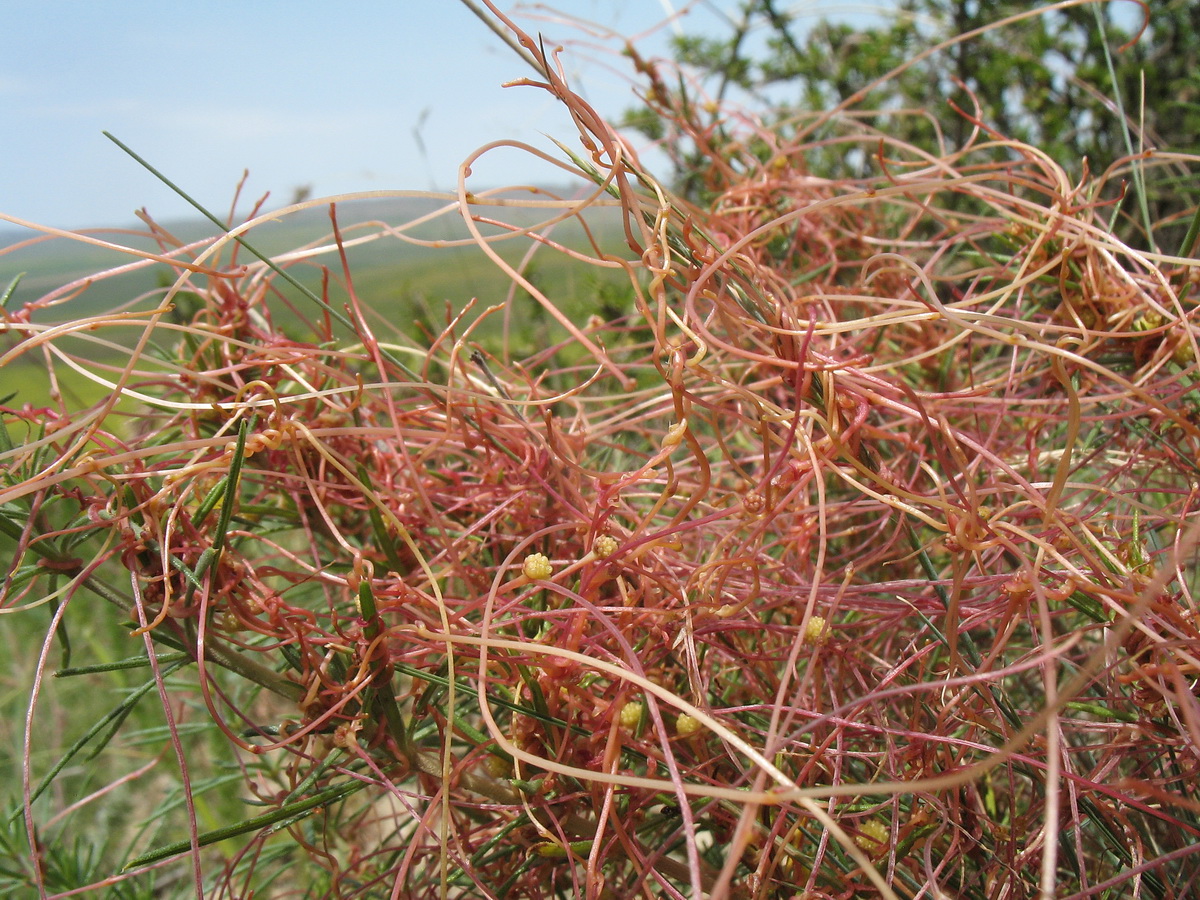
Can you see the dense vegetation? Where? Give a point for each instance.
(832, 533)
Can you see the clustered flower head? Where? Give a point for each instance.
(605, 546)
(537, 567)
(631, 714)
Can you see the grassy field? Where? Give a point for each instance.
(412, 289)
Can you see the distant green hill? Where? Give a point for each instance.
(412, 288)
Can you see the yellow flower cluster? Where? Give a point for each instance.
(604, 546)
(537, 567)
(631, 714)
(814, 630)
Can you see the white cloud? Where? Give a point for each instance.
(14, 86)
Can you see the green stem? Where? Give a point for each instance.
(287, 811)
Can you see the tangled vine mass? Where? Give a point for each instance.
(841, 542)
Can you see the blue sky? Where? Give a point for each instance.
(289, 89)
